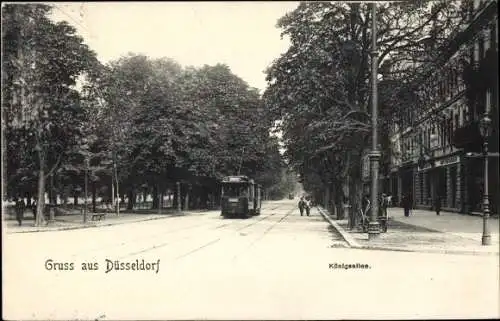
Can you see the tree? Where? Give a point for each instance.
(43, 60)
(320, 87)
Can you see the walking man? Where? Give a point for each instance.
(383, 205)
(301, 206)
(33, 208)
(437, 204)
(406, 204)
(20, 210)
(365, 208)
(307, 205)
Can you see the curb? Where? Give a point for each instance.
(355, 245)
(431, 251)
(66, 228)
(345, 235)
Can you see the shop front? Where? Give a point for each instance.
(440, 178)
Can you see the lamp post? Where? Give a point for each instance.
(485, 128)
(373, 227)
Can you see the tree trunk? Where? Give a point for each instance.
(326, 198)
(204, 198)
(160, 199)
(51, 189)
(131, 199)
(112, 192)
(356, 185)
(75, 199)
(155, 198)
(94, 197)
(175, 198)
(186, 200)
(178, 197)
(41, 191)
(117, 187)
(338, 197)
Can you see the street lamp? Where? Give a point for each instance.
(373, 227)
(485, 129)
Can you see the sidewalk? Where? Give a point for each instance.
(424, 231)
(75, 221)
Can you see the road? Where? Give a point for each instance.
(274, 266)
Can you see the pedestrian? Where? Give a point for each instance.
(437, 204)
(405, 201)
(301, 205)
(365, 208)
(410, 203)
(389, 200)
(365, 204)
(383, 205)
(33, 207)
(350, 213)
(20, 206)
(307, 206)
(382, 212)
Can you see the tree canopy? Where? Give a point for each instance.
(320, 88)
(137, 122)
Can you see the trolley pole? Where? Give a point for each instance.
(373, 227)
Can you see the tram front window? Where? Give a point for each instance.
(234, 190)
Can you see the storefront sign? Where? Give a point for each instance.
(425, 167)
(448, 161)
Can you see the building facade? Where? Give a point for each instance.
(431, 145)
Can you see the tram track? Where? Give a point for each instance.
(224, 226)
(264, 234)
(119, 244)
(204, 245)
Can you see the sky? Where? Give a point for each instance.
(242, 35)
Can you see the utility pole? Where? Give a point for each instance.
(373, 227)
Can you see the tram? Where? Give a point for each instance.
(241, 197)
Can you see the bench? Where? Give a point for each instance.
(97, 216)
(93, 216)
